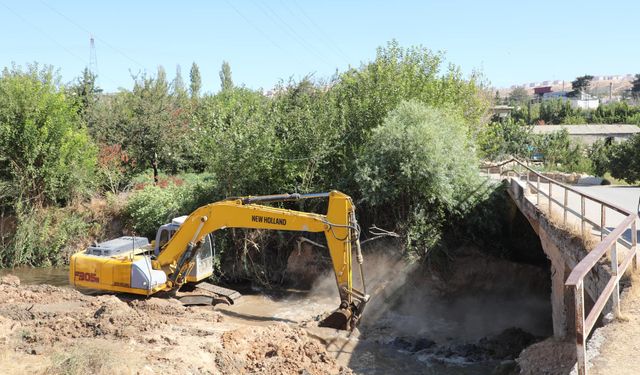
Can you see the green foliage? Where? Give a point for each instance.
(149, 124)
(624, 160)
(85, 92)
(195, 84)
(236, 143)
(499, 140)
(43, 236)
(226, 82)
(556, 111)
(153, 206)
(310, 135)
(365, 96)
(419, 167)
(45, 152)
(519, 96)
(615, 113)
(560, 153)
(599, 154)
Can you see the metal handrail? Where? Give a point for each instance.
(608, 241)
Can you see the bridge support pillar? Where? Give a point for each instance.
(558, 278)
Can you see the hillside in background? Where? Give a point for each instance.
(599, 86)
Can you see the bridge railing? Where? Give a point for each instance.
(609, 240)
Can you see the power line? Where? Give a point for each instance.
(321, 33)
(48, 35)
(259, 30)
(291, 31)
(76, 24)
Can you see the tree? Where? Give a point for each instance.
(635, 87)
(558, 111)
(560, 152)
(519, 95)
(624, 160)
(499, 140)
(85, 91)
(226, 82)
(580, 85)
(599, 154)
(46, 155)
(178, 88)
(233, 132)
(366, 95)
(196, 81)
(418, 168)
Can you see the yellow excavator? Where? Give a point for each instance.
(181, 253)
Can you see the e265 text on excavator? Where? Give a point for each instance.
(182, 251)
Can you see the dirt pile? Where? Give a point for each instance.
(46, 329)
(278, 349)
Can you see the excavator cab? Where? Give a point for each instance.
(203, 260)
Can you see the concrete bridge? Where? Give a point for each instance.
(590, 236)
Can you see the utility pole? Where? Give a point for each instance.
(610, 90)
(93, 59)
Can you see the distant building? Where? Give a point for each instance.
(541, 90)
(555, 95)
(582, 101)
(587, 134)
(502, 111)
(585, 101)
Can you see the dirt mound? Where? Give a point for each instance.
(277, 349)
(46, 329)
(11, 280)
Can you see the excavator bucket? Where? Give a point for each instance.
(346, 317)
(339, 319)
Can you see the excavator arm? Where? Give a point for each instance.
(339, 226)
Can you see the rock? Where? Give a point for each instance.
(505, 346)
(422, 344)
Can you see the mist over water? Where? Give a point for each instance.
(479, 299)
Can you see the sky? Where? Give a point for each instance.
(509, 42)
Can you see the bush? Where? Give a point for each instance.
(44, 237)
(153, 206)
(418, 169)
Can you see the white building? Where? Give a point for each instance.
(582, 101)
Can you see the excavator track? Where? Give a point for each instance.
(208, 294)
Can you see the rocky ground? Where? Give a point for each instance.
(46, 329)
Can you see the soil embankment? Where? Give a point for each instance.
(47, 329)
